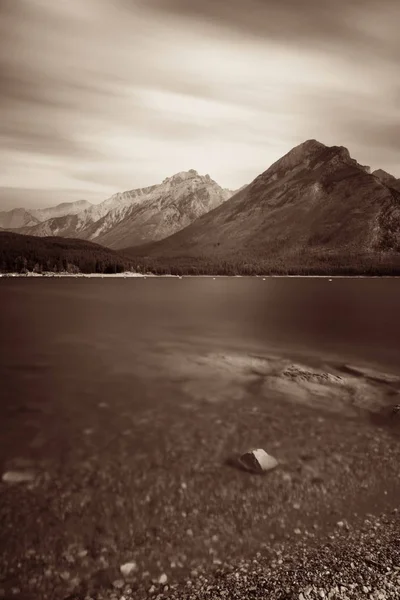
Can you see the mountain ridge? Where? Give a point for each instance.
(316, 204)
(316, 199)
(23, 217)
(140, 215)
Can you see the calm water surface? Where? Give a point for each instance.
(79, 342)
(82, 324)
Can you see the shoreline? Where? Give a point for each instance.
(129, 275)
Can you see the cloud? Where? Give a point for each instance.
(290, 21)
(101, 96)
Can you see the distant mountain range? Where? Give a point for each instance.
(23, 217)
(314, 210)
(129, 218)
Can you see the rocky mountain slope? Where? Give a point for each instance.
(61, 210)
(314, 204)
(139, 216)
(22, 217)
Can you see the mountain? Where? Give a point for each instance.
(17, 217)
(24, 252)
(387, 179)
(315, 206)
(142, 215)
(22, 217)
(79, 225)
(167, 208)
(61, 210)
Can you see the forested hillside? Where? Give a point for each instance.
(21, 253)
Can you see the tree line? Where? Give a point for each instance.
(20, 254)
(384, 264)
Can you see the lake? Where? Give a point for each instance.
(80, 341)
(140, 389)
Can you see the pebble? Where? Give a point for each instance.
(128, 568)
(65, 575)
(18, 477)
(163, 579)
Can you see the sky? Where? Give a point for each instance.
(100, 96)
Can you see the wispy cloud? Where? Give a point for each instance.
(101, 96)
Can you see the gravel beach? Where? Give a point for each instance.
(353, 562)
(150, 486)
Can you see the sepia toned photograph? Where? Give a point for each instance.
(199, 300)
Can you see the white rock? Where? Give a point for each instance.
(128, 568)
(258, 461)
(340, 524)
(18, 477)
(163, 579)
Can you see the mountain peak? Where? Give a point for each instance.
(309, 146)
(311, 154)
(387, 179)
(181, 176)
(383, 175)
(312, 147)
(296, 157)
(305, 150)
